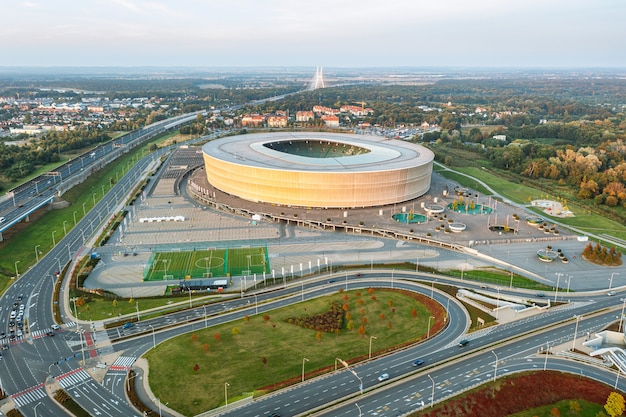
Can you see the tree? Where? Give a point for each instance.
(614, 404)
(264, 360)
(318, 336)
(235, 331)
(196, 367)
(266, 317)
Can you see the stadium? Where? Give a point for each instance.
(318, 169)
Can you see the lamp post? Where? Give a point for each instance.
(621, 317)
(54, 242)
(428, 333)
(64, 227)
(128, 381)
(94, 199)
(153, 337)
(371, 337)
(303, 361)
(17, 274)
(432, 289)
(432, 395)
(84, 212)
(205, 317)
(545, 362)
(226, 385)
(611, 280)
(577, 317)
(495, 372)
(74, 214)
(558, 280)
(37, 252)
(357, 406)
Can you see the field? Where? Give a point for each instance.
(206, 263)
(517, 393)
(265, 352)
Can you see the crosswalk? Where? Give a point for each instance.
(74, 377)
(29, 395)
(123, 363)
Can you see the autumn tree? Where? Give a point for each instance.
(318, 336)
(614, 404)
(205, 347)
(264, 360)
(217, 337)
(266, 317)
(362, 330)
(194, 337)
(235, 331)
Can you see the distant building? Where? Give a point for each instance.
(304, 116)
(277, 121)
(356, 111)
(325, 110)
(330, 120)
(253, 120)
(499, 137)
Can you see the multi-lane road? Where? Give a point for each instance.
(37, 362)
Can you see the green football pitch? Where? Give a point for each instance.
(206, 263)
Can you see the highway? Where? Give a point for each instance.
(37, 360)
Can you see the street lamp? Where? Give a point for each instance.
(611, 280)
(621, 317)
(577, 317)
(37, 252)
(74, 214)
(226, 385)
(357, 406)
(432, 395)
(84, 212)
(545, 362)
(495, 372)
(64, 227)
(54, 242)
(94, 199)
(428, 333)
(303, 360)
(17, 274)
(371, 337)
(558, 280)
(153, 338)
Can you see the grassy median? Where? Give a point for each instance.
(265, 352)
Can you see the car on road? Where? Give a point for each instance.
(540, 295)
(383, 377)
(330, 281)
(463, 342)
(611, 293)
(417, 362)
(2, 219)
(127, 325)
(358, 275)
(55, 327)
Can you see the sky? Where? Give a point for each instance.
(337, 33)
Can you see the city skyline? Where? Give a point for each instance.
(244, 33)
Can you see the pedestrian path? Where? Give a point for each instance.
(29, 395)
(123, 363)
(74, 377)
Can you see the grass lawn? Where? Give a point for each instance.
(565, 407)
(22, 240)
(522, 194)
(498, 277)
(234, 352)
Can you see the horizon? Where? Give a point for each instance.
(352, 34)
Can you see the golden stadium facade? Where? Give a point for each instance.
(318, 169)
